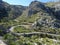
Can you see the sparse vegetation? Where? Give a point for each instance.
(37, 17)
(32, 40)
(22, 30)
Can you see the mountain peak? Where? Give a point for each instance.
(34, 2)
(34, 7)
(37, 4)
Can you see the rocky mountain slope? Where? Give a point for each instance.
(17, 11)
(43, 14)
(3, 11)
(36, 24)
(12, 11)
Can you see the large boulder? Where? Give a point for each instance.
(2, 42)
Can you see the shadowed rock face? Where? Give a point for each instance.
(10, 11)
(34, 7)
(16, 11)
(3, 12)
(57, 11)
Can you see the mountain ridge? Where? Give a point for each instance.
(36, 11)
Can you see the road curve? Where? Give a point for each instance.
(12, 28)
(31, 33)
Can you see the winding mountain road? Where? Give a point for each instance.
(31, 33)
(35, 33)
(12, 28)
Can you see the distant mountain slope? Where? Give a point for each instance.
(16, 11)
(13, 10)
(3, 11)
(34, 10)
(41, 16)
(44, 14)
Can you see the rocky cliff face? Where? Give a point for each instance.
(35, 7)
(12, 11)
(57, 10)
(3, 11)
(16, 11)
(49, 18)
